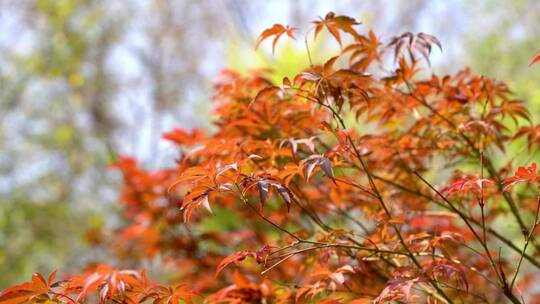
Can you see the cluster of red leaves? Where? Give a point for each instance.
(523, 174)
(102, 284)
(322, 184)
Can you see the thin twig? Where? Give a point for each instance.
(527, 240)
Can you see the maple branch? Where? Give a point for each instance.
(527, 240)
(382, 202)
(308, 209)
(276, 264)
(262, 216)
(476, 295)
(461, 214)
(328, 245)
(307, 49)
(352, 219)
(489, 165)
(510, 201)
(498, 270)
(489, 230)
(481, 203)
(327, 228)
(456, 210)
(355, 186)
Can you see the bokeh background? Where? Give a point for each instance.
(83, 81)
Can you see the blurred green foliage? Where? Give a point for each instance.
(36, 237)
(47, 160)
(509, 38)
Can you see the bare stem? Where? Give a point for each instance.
(527, 240)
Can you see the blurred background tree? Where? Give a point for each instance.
(507, 41)
(82, 81)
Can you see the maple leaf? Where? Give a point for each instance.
(364, 52)
(276, 30)
(263, 192)
(309, 164)
(264, 185)
(448, 271)
(169, 295)
(410, 43)
(523, 174)
(241, 291)
(194, 200)
(29, 291)
(183, 137)
(108, 282)
(308, 292)
(193, 175)
(532, 133)
(295, 142)
(265, 93)
(234, 258)
(334, 24)
(327, 72)
(330, 301)
(535, 59)
(464, 185)
(514, 109)
(398, 288)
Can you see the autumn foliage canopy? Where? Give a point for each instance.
(363, 179)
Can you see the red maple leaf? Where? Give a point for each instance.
(523, 174)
